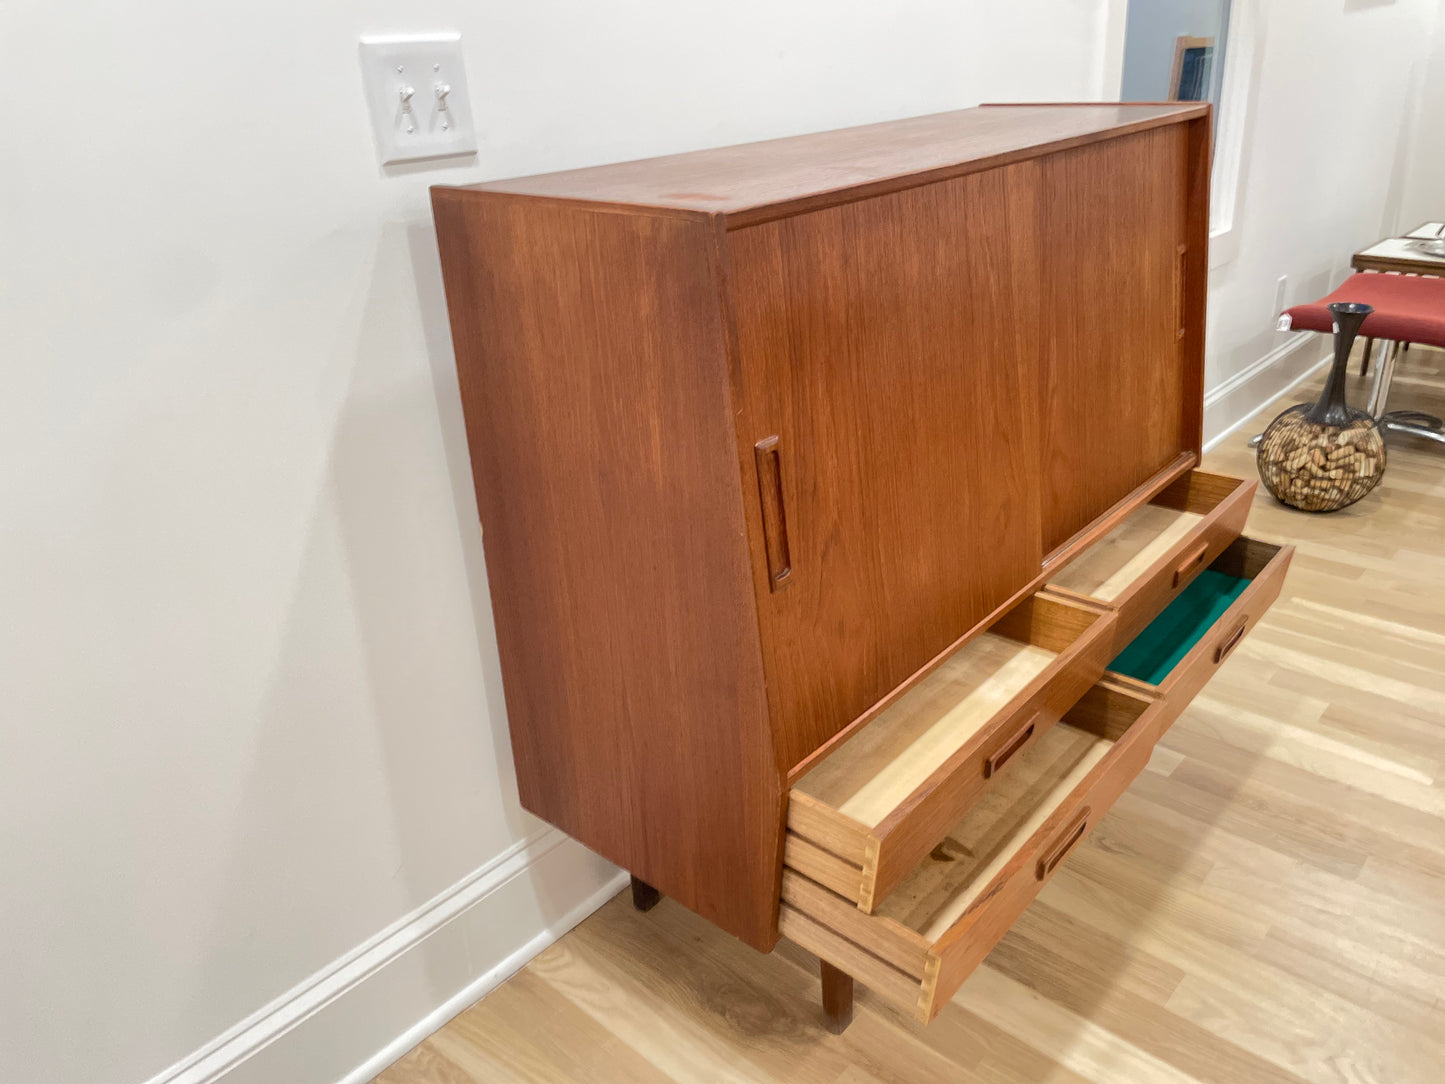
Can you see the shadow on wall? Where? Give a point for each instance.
(1391, 215)
(374, 777)
(553, 901)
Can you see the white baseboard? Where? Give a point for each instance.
(360, 1013)
(1239, 398)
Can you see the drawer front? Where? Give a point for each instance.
(915, 828)
(1223, 503)
(964, 946)
(932, 784)
(1162, 583)
(921, 969)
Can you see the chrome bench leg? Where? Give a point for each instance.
(1384, 373)
(1429, 432)
(1417, 419)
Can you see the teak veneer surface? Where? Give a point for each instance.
(753, 181)
(1117, 397)
(760, 433)
(887, 344)
(606, 477)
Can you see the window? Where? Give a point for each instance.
(1197, 50)
(1174, 50)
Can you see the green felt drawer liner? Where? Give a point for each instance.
(1157, 650)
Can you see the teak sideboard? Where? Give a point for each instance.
(846, 545)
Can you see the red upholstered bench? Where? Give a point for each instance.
(1408, 309)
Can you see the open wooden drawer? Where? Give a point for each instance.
(1180, 649)
(953, 906)
(1140, 566)
(861, 818)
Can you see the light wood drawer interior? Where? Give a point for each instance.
(862, 817)
(942, 919)
(1180, 650)
(1158, 549)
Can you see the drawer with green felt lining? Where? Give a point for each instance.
(1180, 650)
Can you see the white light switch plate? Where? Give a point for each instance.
(416, 89)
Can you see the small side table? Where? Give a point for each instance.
(1402, 256)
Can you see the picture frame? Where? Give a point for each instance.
(1193, 61)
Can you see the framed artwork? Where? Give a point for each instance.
(1193, 58)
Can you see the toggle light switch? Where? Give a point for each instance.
(416, 89)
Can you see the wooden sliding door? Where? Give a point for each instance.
(1114, 387)
(885, 367)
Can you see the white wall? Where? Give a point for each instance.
(1329, 156)
(254, 739)
(1424, 189)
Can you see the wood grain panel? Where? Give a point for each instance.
(594, 380)
(822, 866)
(888, 344)
(1194, 290)
(1114, 393)
(884, 937)
(755, 182)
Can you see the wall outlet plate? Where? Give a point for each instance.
(1281, 289)
(416, 90)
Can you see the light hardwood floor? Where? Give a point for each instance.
(1266, 903)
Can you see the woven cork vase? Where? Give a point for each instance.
(1325, 456)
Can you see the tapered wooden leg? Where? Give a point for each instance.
(644, 896)
(837, 997)
(1365, 357)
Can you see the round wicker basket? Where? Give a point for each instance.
(1320, 468)
(1325, 456)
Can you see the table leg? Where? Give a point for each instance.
(644, 896)
(837, 997)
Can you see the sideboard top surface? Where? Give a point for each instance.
(753, 182)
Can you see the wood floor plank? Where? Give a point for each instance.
(1265, 905)
(424, 1064)
(1142, 1022)
(1076, 1042)
(500, 1043)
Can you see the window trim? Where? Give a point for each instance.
(1236, 107)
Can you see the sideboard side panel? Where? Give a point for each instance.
(594, 382)
(1198, 162)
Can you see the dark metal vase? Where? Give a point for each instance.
(1325, 456)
